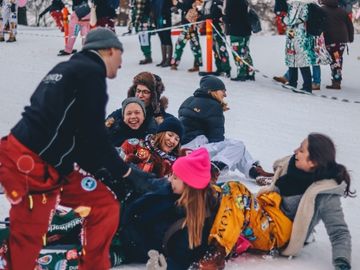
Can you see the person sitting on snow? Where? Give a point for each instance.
(229, 220)
(130, 121)
(202, 116)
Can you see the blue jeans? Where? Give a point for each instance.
(316, 74)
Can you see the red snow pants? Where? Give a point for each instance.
(34, 189)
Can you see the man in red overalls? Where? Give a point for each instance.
(64, 125)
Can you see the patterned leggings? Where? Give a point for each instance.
(336, 51)
(188, 33)
(221, 55)
(241, 46)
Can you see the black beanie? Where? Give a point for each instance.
(211, 83)
(171, 124)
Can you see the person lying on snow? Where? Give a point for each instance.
(189, 229)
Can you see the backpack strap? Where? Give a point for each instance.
(176, 226)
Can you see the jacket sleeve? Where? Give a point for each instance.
(350, 28)
(332, 215)
(215, 126)
(96, 149)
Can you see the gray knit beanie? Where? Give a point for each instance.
(136, 100)
(102, 38)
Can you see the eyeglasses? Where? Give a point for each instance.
(143, 91)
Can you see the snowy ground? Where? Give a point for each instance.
(271, 120)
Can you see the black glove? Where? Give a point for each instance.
(341, 264)
(141, 181)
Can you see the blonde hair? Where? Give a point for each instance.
(194, 203)
(159, 138)
(218, 97)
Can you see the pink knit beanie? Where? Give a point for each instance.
(194, 169)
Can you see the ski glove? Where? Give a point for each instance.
(143, 182)
(156, 261)
(342, 264)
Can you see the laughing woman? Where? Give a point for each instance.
(157, 152)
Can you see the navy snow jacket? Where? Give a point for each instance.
(65, 121)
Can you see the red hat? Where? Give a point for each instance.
(194, 169)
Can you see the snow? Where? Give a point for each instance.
(272, 121)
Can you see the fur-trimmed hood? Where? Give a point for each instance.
(154, 83)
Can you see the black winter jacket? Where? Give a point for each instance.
(202, 115)
(236, 18)
(65, 121)
(338, 27)
(119, 131)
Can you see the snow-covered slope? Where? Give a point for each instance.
(272, 121)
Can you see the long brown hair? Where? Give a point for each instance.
(159, 138)
(194, 201)
(323, 153)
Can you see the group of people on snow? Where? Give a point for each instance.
(145, 182)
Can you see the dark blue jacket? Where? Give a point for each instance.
(119, 131)
(201, 114)
(236, 18)
(65, 121)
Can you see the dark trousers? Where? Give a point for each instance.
(306, 74)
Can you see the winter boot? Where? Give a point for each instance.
(147, 60)
(336, 85)
(163, 54)
(315, 86)
(280, 79)
(173, 67)
(2, 39)
(239, 78)
(195, 68)
(11, 38)
(256, 170)
(64, 53)
(168, 54)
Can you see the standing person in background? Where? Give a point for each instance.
(79, 22)
(141, 21)
(299, 48)
(9, 18)
(105, 14)
(55, 11)
(189, 33)
(161, 10)
(212, 9)
(280, 10)
(149, 87)
(64, 124)
(338, 31)
(238, 27)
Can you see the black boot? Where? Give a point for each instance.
(169, 51)
(147, 60)
(163, 54)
